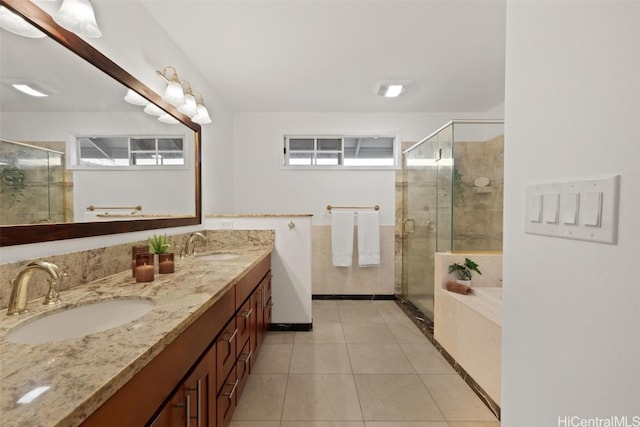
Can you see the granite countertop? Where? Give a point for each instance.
(82, 373)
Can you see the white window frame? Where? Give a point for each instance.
(73, 150)
(285, 150)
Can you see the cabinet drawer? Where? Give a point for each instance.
(244, 318)
(226, 402)
(226, 352)
(243, 367)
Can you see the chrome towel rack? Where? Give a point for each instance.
(374, 207)
(107, 208)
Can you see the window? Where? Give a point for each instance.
(128, 151)
(340, 151)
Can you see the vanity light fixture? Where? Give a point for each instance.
(78, 16)
(190, 107)
(392, 88)
(133, 97)
(153, 110)
(173, 93)
(187, 101)
(17, 25)
(202, 117)
(168, 118)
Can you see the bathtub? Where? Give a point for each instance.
(492, 295)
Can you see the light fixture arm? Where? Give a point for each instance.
(189, 91)
(163, 74)
(197, 96)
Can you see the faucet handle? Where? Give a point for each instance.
(53, 296)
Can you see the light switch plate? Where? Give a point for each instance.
(588, 209)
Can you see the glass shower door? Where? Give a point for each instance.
(428, 171)
(419, 226)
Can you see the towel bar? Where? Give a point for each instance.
(375, 207)
(93, 208)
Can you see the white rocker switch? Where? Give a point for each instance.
(550, 208)
(535, 213)
(591, 208)
(570, 203)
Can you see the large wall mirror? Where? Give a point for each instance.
(46, 192)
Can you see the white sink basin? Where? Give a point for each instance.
(217, 257)
(79, 321)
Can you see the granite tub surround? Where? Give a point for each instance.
(468, 326)
(76, 376)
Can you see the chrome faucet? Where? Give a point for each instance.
(190, 245)
(18, 298)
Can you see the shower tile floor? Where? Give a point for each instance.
(365, 364)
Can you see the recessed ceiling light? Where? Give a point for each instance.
(29, 90)
(392, 88)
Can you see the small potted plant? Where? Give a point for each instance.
(160, 246)
(463, 271)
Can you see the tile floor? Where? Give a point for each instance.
(365, 364)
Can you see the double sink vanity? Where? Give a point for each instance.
(174, 352)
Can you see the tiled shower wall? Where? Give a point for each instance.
(47, 194)
(354, 280)
(477, 216)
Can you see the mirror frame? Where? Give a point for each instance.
(35, 233)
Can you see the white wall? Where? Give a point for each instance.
(262, 186)
(571, 343)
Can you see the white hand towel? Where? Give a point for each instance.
(342, 238)
(368, 238)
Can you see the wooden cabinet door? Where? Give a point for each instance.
(194, 403)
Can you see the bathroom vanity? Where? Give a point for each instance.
(184, 363)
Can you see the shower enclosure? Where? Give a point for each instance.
(33, 185)
(452, 201)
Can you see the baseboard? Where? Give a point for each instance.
(293, 327)
(353, 297)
